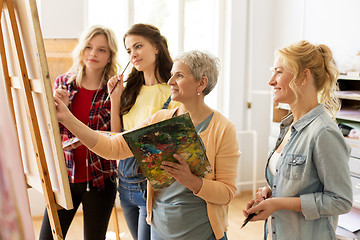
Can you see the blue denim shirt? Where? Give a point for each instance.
(313, 165)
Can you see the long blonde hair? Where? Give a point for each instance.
(319, 60)
(77, 70)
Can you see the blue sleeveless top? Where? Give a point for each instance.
(177, 213)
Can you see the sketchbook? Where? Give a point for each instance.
(75, 139)
(158, 142)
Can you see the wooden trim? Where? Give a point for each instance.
(32, 119)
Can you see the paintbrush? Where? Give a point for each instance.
(117, 82)
(248, 219)
(251, 215)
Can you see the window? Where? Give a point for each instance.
(187, 25)
(164, 15)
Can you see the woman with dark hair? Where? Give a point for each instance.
(145, 93)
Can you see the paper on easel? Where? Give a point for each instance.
(15, 220)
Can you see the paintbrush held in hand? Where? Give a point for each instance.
(117, 82)
(250, 216)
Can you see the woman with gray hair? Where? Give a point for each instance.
(192, 207)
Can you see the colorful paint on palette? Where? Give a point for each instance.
(158, 142)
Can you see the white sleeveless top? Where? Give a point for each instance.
(272, 162)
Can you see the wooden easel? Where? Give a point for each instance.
(7, 5)
(116, 223)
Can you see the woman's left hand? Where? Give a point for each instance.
(181, 172)
(264, 209)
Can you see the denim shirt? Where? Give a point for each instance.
(313, 165)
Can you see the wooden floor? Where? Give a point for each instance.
(252, 231)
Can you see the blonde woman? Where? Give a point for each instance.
(307, 171)
(83, 89)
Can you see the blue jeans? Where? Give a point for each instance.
(155, 236)
(133, 204)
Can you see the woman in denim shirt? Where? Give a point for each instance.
(307, 171)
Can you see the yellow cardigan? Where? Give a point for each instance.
(218, 188)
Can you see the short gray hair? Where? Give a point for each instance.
(202, 64)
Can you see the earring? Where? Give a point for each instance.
(198, 94)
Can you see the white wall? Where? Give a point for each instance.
(288, 22)
(234, 101)
(275, 24)
(337, 25)
(62, 19)
(260, 58)
(332, 22)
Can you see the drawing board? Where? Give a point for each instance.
(15, 221)
(41, 93)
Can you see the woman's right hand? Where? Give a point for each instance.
(62, 111)
(117, 80)
(63, 95)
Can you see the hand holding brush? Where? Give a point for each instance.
(251, 215)
(119, 79)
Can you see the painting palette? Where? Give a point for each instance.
(158, 142)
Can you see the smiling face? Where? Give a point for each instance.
(280, 81)
(142, 52)
(183, 85)
(96, 53)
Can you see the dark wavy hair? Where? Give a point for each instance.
(162, 70)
